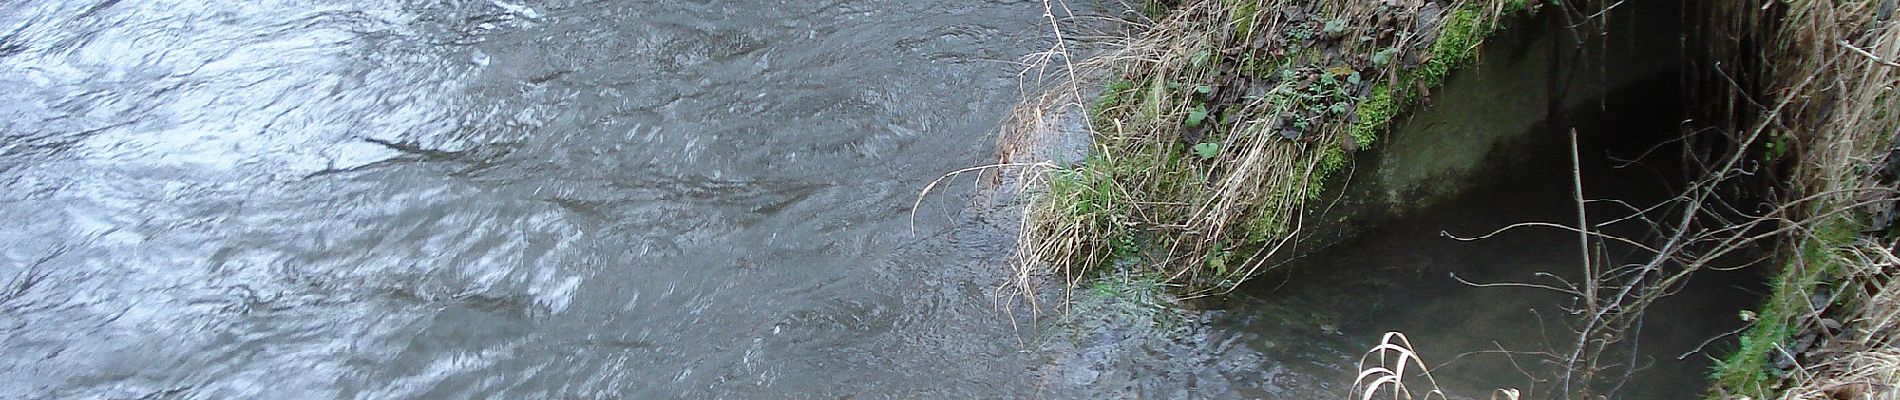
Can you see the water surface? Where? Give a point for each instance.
(463, 199)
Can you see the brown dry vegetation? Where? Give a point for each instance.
(1823, 94)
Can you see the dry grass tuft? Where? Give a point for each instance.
(1383, 370)
(1871, 374)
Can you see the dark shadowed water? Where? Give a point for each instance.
(1420, 274)
(517, 199)
(1400, 277)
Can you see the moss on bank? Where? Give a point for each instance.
(1752, 370)
(1213, 131)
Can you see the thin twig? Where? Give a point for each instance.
(1869, 55)
(953, 174)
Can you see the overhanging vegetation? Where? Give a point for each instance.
(1213, 129)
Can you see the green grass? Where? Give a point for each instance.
(1748, 371)
(1243, 12)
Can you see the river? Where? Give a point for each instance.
(463, 199)
(514, 199)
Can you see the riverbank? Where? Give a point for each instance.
(1216, 140)
(1826, 121)
(1208, 133)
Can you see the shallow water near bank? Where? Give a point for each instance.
(1406, 277)
(498, 199)
(1453, 278)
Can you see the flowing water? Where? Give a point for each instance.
(513, 199)
(459, 199)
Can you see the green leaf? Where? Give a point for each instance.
(1201, 58)
(1383, 57)
(1204, 89)
(1353, 79)
(1197, 115)
(1217, 259)
(1335, 27)
(1207, 150)
(1341, 70)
